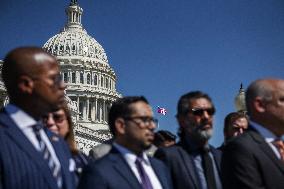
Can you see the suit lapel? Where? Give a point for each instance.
(266, 149)
(162, 178)
(123, 169)
(25, 145)
(217, 157)
(189, 165)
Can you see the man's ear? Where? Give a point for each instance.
(259, 105)
(119, 126)
(25, 84)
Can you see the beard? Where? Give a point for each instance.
(203, 135)
(198, 133)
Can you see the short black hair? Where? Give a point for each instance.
(184, 101)
(231, 117)
(121, 108)
(162, 136)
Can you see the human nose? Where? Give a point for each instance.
(205, 114)
(50, 121)
(152, 124)
(62, 85)
(241, 130)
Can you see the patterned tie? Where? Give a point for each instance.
(145, 181)
(55, 170)
(279, 144)
(208, 169)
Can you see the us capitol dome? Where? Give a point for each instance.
(91, 82)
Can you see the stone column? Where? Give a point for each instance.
(84, 109)
(93, 110)
(96, 109)
(88, 107)
(78, 104)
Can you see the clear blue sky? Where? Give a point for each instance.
(162, 48)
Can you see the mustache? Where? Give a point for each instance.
(202, 124)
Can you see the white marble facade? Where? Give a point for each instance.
(91, 82)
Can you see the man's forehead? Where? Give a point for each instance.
(140, 107)
(42, 57)
(200, 102)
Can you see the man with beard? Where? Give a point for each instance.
(30, 156)
(127, 166)
(193, 162)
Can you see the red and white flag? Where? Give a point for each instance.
(162, 110)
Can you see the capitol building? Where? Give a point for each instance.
(91, 82)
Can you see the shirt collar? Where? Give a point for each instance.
(267, 134)
(130, 156)
(21, 118)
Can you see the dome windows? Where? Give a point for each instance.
(65, 77)
(82, 77)
(73, 77)
(88, 78)
(95, 79)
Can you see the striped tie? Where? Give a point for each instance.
(279, 144)
(55, 170)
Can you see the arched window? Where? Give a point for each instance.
(65, 77)
(73, 77)
(95, 79)
(107, 83)
(102, 81)
(88, 78)
(81, 77)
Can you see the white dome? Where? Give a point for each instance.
(73, 40)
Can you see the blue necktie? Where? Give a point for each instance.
(56, 173)
(145, 181)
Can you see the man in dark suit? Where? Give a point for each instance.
(193, 162)
(126, 165)
(31, 157)
(255, 159)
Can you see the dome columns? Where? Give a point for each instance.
(93, 109)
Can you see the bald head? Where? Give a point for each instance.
(23, 61)
(265, 104)
(32, 79)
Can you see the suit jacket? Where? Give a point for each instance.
(22, 166)
(113, 172)
(249, 162)
(181, 165)
(100, 150)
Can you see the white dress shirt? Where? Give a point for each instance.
(268, 136)
(25, 123)
(131, 158)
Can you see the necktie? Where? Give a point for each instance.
(55, 170)
(279, 144)
(145, 181)
(208, 169)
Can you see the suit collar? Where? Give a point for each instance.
(20, 139)
(264, 146)
(160, 175)
(121, 166)
(188, 161)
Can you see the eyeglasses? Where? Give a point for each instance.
(143, 120)
(200, 111)
(57, 79)
(58, 118)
